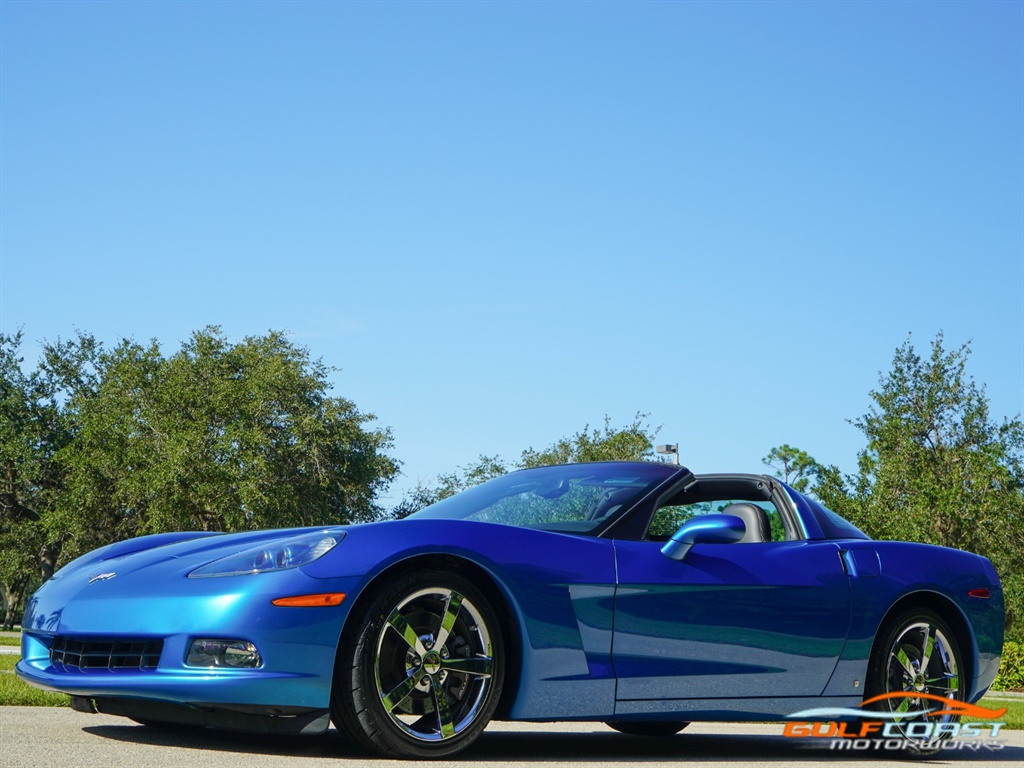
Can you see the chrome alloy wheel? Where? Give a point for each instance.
(921, 660)
(433, 664)
(919, 672)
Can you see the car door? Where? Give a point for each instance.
(729, 620)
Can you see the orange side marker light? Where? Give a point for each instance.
(323, 600)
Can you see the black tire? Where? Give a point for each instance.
(425, 643)
(660, 728)
(916, 653)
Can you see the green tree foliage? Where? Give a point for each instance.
(36, 431)
(937, 467)
(99, 445)
(632, 442)
(793, 466)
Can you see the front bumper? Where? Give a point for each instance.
(298, 645)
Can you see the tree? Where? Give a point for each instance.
(633, 442)
(937, 467)
(35, 431)
(793, 466)
(100, 445)
(224, 436)
(423, 495)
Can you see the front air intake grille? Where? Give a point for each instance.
(71, 654)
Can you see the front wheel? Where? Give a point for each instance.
(915, 669)
(421, 673)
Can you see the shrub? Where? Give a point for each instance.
(1011, 668)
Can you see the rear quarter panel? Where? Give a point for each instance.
(887, 575)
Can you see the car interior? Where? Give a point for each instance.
(749, 499)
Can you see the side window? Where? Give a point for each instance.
(668, 518)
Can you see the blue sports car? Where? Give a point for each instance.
(635, 594)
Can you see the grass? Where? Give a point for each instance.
(10, 639)
(1014, 717)
(15, 693)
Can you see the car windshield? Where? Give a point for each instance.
(572, 498)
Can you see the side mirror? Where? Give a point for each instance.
(706, 529)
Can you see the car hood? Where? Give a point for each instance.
(190, 550)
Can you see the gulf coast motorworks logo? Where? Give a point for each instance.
(902, 727)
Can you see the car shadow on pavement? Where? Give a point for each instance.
(507, 746)
(189, 737)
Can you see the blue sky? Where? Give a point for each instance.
(502, 221)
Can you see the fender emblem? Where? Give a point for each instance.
(102, 577)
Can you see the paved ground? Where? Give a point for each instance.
(36, 737)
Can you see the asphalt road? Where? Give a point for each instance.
(35, 736)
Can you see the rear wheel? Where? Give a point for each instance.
(421, 672)
(914, 669)
(656, 728)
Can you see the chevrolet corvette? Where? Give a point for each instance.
(635, 594)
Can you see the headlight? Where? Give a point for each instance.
(277, 556)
